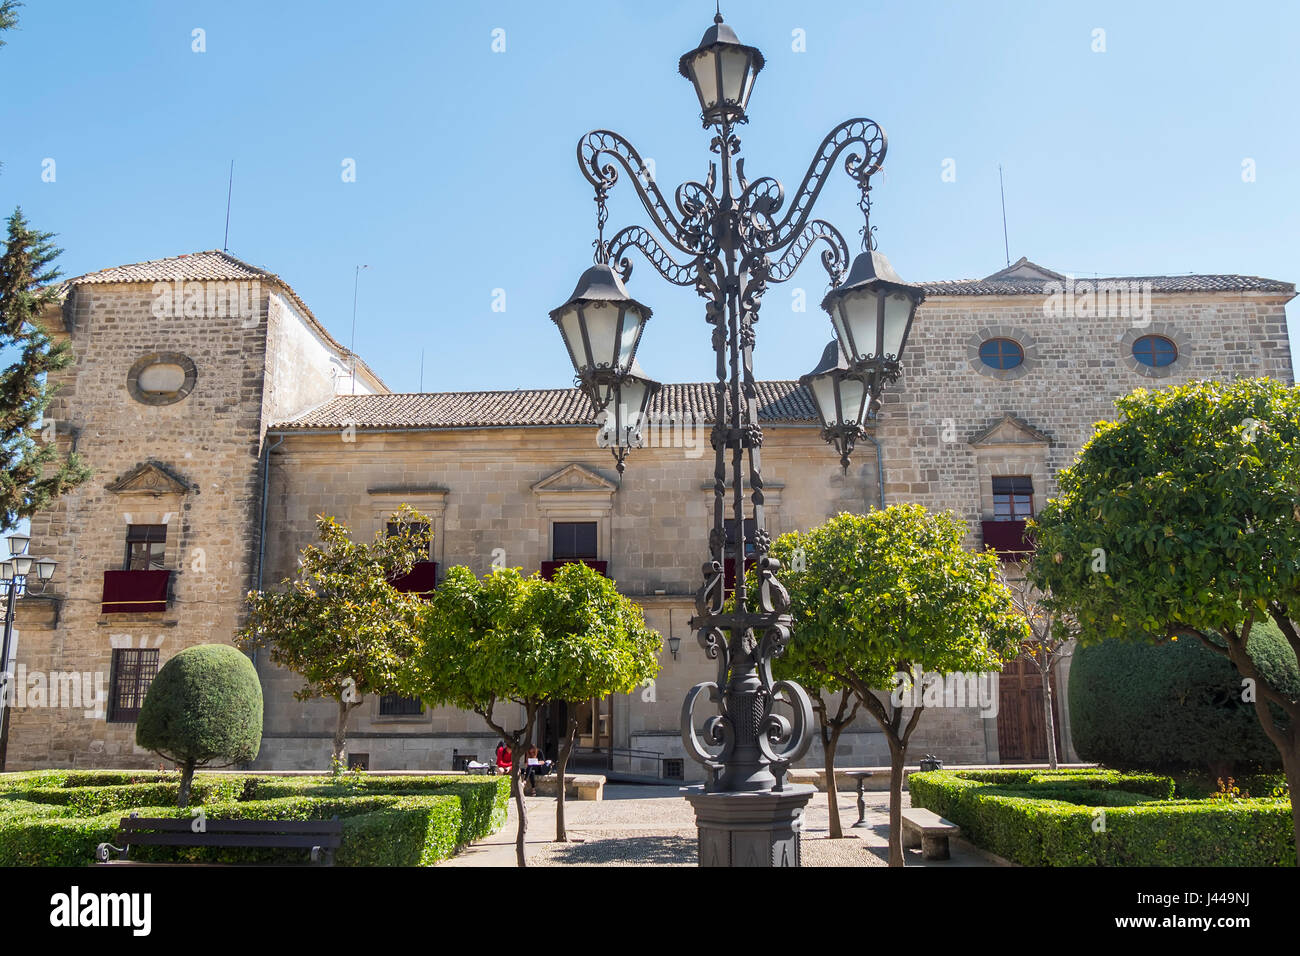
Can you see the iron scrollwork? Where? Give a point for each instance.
(736, 242)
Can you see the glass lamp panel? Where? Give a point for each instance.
(604, 392)
(853, 401)
(6, 570)
(823, 392)
(633, 395)
(735, 67)
(749, 88)
(45, 568)
(631, 333)
(601, 320)
(704, 70)
(898, 309)
(22, 564)
(860, 314)
(570, 325)
(18, 543)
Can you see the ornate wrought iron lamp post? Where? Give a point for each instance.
(728, 238)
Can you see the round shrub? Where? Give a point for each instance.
(203, 707)
(1173, 706)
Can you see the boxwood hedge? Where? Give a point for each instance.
(57, 818)
(1104, 818)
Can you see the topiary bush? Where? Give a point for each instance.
(1173, 706)
(203, 707)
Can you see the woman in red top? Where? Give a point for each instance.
(504, 758)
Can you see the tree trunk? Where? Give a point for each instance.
(1049, 721)
(897, 756)
(339, 755)
(517, 791)
(187, 781)
(1291, 766)
(832, 792)
(566, 748)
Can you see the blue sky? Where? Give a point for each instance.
(1127, 161)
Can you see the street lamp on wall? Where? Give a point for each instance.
(674, 645)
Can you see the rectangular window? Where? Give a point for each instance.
(573, 540)
(1013, 498)
(395, 705)
(395, 528)
(145, 546)
(132, 672)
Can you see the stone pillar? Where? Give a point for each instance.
(759, 828)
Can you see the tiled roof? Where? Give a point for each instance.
(784, 402)
(195, 267)
(1026, 286)
(210, 266)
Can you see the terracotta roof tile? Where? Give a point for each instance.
(1011, 285)
(784, 402)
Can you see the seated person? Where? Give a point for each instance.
(504, 758)
(534, 764)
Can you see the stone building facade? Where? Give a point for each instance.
(1002, 382)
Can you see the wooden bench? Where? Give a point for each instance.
(320, 837)
(929, 831)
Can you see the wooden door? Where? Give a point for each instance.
(1022, 734)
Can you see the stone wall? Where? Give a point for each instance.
(201, 477)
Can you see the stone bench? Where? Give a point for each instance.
(577, 786)
(929, 831)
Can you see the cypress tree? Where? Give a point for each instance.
(32, 472)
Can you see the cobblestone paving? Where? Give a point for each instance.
(654, 826)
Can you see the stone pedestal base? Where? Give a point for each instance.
(749, 829)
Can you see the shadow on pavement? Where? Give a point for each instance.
(646, 851)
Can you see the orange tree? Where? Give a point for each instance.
(506, 646)
(888, 593)
(339, 623)
(1183, 519)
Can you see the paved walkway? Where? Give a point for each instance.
(654, 826)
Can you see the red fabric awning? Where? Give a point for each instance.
(135, 591)
(422, 578)
(1008, 539)
(550, 567)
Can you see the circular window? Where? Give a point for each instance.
(161, 378)
(1001, 354)
(1155, 351)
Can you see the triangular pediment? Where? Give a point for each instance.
(573, 478)
(1022, 268)
(150, 478)
(1010, 430)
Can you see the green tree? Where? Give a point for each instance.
(340, 624)
(1182, 518)
(506, 646)
(204, 706)
(894, 593)
(32, 472)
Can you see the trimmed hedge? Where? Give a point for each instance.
(47, 819)
(1051, 822)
